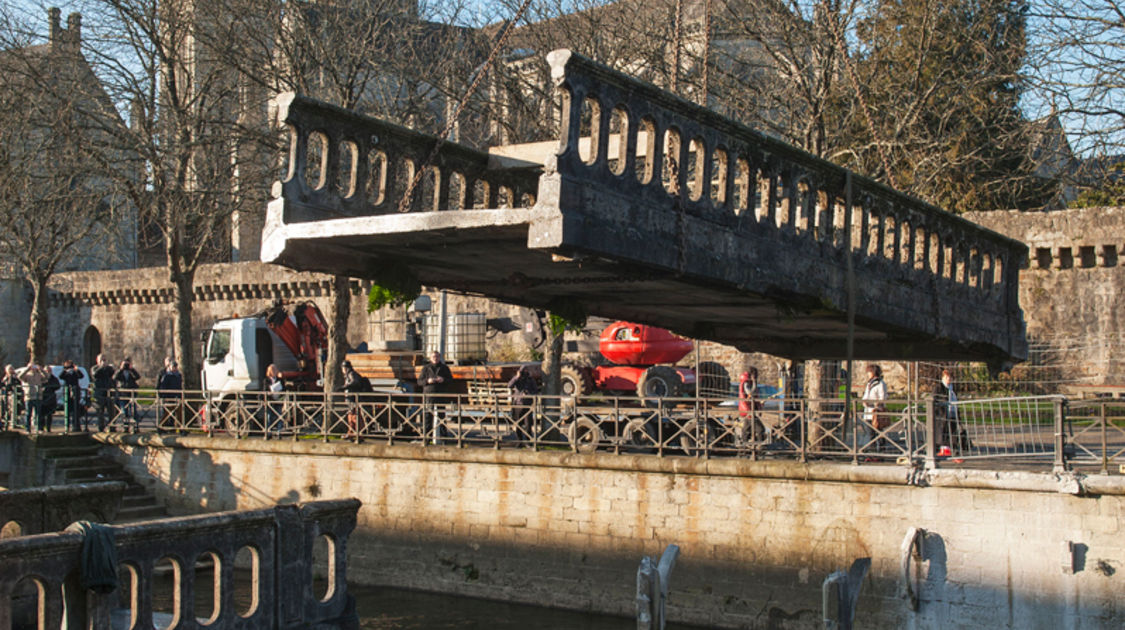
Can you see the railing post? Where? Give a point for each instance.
(1105, 446)
(805, 418)
(1060, 437)
(328, 411)
(931, 424)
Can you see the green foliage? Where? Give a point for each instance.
(395, 285)
(942, 83)
(1111, 194)
(565, 314)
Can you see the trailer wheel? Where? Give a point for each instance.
(690, 440)
(640, 435)
(714, 380)
(659, 381)
(574, 381)
(584, 435)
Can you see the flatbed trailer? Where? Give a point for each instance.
(390, 369)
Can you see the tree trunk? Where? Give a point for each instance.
(37, 331)
(552, 362)
(339, 310)
(183, 348)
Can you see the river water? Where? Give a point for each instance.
(396, 609)
(384, 608)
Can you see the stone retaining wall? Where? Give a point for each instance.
(758, 538)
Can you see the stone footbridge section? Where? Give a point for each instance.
(655, 210)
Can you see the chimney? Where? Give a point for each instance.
(137, 114)
(74, 29)
(55, 33)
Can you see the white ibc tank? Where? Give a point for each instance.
(464, 337)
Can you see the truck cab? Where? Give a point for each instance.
(236, 354)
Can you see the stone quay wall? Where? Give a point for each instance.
(1002, 549)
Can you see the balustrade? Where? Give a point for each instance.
(40, 581)
(799, 196)
(345, 165)
(51, 508)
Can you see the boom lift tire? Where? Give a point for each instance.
(659, 381)
(574, 381)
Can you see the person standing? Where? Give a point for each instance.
(523, 388)
(72, 395)
(435, 379)
(169, 390)
(874, 406)
(48, 398)
(275, 386)
(126, 380)
(31, 378)
(102, 373)
(953, 433)
(356, 385)
(11, 390)
(748, 403)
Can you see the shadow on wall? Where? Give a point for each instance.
(197, 483)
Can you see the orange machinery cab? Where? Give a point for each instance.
(625, 343)
(634, 348)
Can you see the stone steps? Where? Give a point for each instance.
(77, 458)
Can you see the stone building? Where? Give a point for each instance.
(57, 116)
(130, 312)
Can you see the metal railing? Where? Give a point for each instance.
(1028, 431)
(1095, 432)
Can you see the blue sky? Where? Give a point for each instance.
(478, 12)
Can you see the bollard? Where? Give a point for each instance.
(652, 588)
(846, 587)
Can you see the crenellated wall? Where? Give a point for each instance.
(1071, 288)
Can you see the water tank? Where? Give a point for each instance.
(464, 337)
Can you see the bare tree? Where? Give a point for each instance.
(159, 60)
(56, 203)
(383, 58)
(1077, 73)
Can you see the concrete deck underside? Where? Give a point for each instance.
(492, 253)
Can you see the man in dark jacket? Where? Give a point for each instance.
(72, 395)
(523, 388)
(169, 391)
(436, 377)
(126, 379)
(49, 399)
(102, 374)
